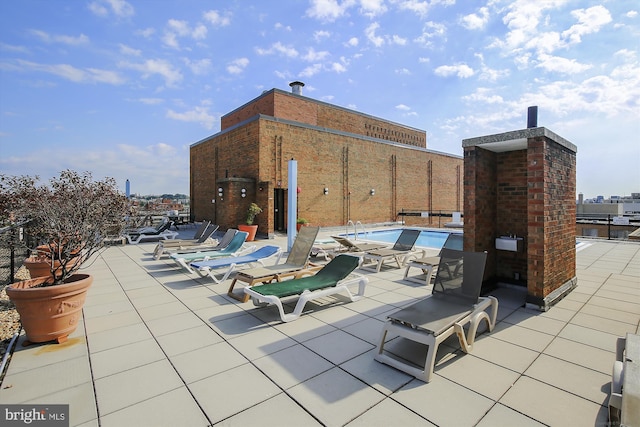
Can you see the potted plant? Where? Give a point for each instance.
(249, 227)
(301, 222)
(69, 219)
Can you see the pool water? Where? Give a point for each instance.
(427, 238)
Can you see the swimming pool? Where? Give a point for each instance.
(427, 238)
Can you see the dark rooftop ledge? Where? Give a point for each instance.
(515, 140)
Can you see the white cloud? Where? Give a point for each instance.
(146, 33)
(237, 66)
(320, 35)
(431, 30)
(68, 40)
(199, 114)
(476, 21)
(352, 42)
(338, 67)
(280, 26)
(160, 67)
(398, 40)
(589, 21)
(483, 95)
(151, 101)
(278, 48)
(178, 28)
(403, 107)
(403, 71)
(311, 70)
(561, 65)
(631, 14)
(198, 67)
(462, 71)
(370, 32)
(328, 10)
(74, 74)
(104, 8)
(217, 19)
(372, 8)
(313, 56)
(129, 51)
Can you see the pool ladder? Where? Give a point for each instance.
(355, 229)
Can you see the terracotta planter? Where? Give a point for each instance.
(299, 225)
(50, 313)
(251, 229)
(40, 266)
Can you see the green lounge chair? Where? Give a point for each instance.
(333, 278)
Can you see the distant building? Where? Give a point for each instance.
(351, 166)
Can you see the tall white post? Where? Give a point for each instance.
(292, 211)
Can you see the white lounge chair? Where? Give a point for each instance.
(454, 303)
(212, 267)
(235, 248)
(162, 231)
(202, 235)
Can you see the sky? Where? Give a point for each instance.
(123, 88)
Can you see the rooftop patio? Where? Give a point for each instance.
(161, 347)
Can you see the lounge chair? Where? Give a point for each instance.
(296, 265)
(162, 231)
(212, 266)
(335, 277)
(235, 248)
(215, 245)
(427, 264)
(403, 247)
(351, 246)
(202, 235)
(455, 302)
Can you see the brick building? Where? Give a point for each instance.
(351, 166)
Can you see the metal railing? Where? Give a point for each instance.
(15, 242)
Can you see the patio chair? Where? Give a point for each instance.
(214, 245)
(296, 265)
(151, 233)
(335, 277)
(347, 245)
(212, 266)
(454, 303)
(202, 235)
(427, 264)
(236, 247)
(403, 247)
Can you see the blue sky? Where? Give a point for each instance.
(123, 88)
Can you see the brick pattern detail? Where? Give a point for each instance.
(284, 105)
(349, 166)
(530, 193)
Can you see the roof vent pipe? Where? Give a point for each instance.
(296, 87)
(532, 117)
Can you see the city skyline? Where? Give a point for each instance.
(123, 88)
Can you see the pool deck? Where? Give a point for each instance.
(158, 346)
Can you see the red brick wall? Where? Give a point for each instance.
(348, 166)
(284, 105)
(552, 216)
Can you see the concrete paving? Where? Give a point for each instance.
(159, 346)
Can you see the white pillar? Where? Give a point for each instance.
(292, 210)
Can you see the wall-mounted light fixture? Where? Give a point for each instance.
(243, 192)
(220, 192)
(372, 192)
(326, 190)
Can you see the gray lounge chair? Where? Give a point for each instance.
(428, 264)
(202, 235)
(403, 247)
(162, 231)
(296, 265)
(455, 302)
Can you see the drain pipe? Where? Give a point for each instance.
(7, 353)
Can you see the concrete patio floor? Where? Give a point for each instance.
(161, 347)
